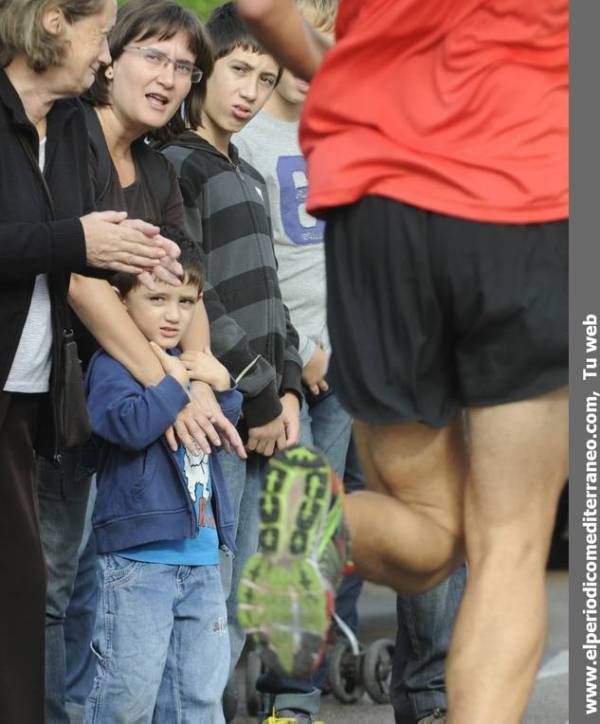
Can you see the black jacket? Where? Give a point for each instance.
(226, 209)
(37, 236)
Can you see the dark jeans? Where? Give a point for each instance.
(22, 566)
(346, 599)
(425, 623)
(63, 496)
(79, 627)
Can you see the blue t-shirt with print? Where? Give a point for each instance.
(202, 550)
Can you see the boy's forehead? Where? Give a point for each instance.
(263, 62)
(186, 289)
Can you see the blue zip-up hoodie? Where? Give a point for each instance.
(142, 494)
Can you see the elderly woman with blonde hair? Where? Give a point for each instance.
(50, 51)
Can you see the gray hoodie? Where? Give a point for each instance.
(271, 146)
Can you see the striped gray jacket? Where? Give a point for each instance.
(227, 212)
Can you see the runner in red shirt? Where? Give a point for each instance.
(436, 141)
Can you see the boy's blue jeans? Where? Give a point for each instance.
(161, 644)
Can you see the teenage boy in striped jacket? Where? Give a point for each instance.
(251, 333)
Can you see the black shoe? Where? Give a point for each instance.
(290, 716)
(230, 700)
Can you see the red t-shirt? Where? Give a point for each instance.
(456, 106)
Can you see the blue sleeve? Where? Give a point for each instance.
(231, 403)
(123, 412)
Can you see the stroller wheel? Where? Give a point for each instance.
(377, 670)
(254, 668)
(344, 673)
(230, 700)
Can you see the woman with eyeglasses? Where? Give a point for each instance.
(158, 50)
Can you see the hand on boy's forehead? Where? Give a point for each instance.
(170, 272)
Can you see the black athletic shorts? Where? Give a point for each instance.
(430, 313)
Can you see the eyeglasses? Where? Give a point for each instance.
(157, 59)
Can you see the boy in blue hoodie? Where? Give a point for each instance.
(160, 518)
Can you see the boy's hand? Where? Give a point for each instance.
(264, 439)
(171, 365)
(205, 367)
(291, 420)
(313, 374)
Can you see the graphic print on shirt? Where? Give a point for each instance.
(197, 477)
(300, 226)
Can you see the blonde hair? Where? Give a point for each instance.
(22, 30)
(323, 13)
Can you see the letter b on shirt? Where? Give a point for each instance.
(300, 226)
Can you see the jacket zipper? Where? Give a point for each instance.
(203, 145)
(269, 293)
(190, 502)
(186, 492)
(269, 353)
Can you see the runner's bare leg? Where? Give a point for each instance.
(518, 468)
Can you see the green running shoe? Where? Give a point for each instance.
(287, 592)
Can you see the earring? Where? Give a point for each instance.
(108, 73)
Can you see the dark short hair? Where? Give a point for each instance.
(190, 259)
(227, 32)
(142, 19)
(22, 30)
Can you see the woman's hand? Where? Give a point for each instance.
(111, 244)
(169, 270)
(197, 424)
(130, 245)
